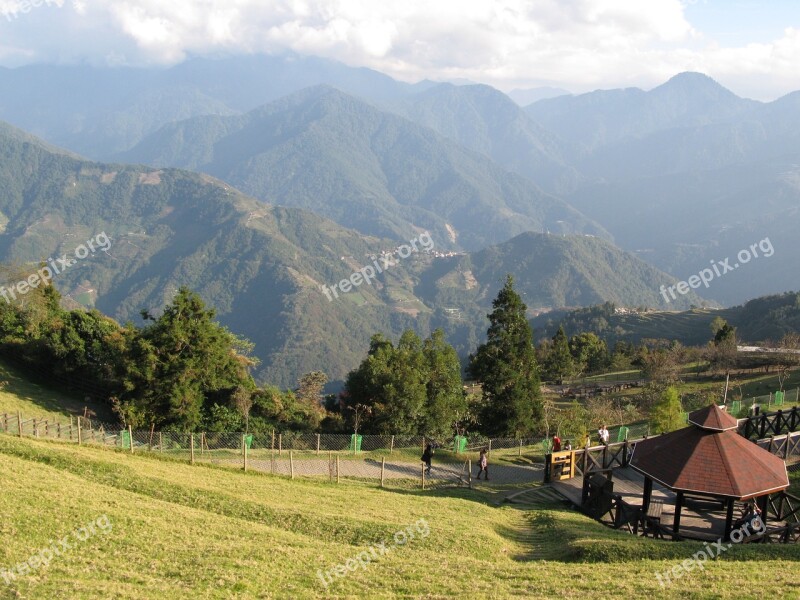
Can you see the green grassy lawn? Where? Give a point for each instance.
(181, 531)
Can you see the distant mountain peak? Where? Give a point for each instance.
(693, 82)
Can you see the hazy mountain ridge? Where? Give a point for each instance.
(331, 153)
(262, 266)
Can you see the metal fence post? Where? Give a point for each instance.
(244, 450)
(383, 466)
(191, 444)
(19, 424)
(291, 464)
(80, 435)
(130, 437)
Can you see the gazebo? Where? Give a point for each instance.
(709, 460)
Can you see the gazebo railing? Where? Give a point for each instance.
(770, 424)
(784, 507)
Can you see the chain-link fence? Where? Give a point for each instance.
(386, 460)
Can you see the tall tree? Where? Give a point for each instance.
(589, 352)
(559, 363)
(507, 369)
(446, 401)
(178, 361)
(309, 395)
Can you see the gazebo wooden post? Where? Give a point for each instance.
(676, 522)
(762, 502)
(729, 520)
(648, 491)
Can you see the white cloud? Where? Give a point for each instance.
(578, 44)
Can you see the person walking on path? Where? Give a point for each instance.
(483, 463)
(427, 456)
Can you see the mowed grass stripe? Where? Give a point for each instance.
(188, 532)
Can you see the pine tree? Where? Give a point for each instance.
(507, 369)
(559, 363)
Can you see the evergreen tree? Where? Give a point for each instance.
(177, 362)
(559, 364)
(589, 352)
(507, 369)
(446, 401)
(666, 413)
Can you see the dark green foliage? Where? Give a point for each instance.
(558, 363)
(506, 367)
(177, 361)
(589, 352)
(413, 388)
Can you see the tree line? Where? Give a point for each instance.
(183, 371)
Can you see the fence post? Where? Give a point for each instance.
(35, 427)
(58, 431)
(47, 428)
(80, 436)
(383, 466)
(423, 443)
(130, 437)
(489, 451)
(469, 475)
(391, 445)
(244, 450)
(280, 444)
(19, 424)
(191, 444)
(5, 422)
(423, 476)
(272, 446)
(70, 428)
(291, 464)
(520, 446)
(337, 468)
(317, 443)
(202, 442)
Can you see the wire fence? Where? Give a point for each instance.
(384, 460)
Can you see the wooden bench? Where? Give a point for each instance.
(654, 510)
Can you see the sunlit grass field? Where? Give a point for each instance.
(182, 531)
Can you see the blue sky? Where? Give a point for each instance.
(750, 47)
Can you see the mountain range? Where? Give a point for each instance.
(262, 267)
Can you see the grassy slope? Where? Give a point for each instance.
(181, 531)
(18, 393)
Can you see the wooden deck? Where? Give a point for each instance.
(699, 520)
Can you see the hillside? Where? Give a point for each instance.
(262, 267)
(333, 154)
(550, 271)
(485, 120)
(163, 528)
(763, 319)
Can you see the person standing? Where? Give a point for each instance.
(483, 463)
(603, 433)
(427, 456)
(556, 443)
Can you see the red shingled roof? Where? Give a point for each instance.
(709, 460)
(712, 417)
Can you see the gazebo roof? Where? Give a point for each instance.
(710, 457)
(713, 418)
